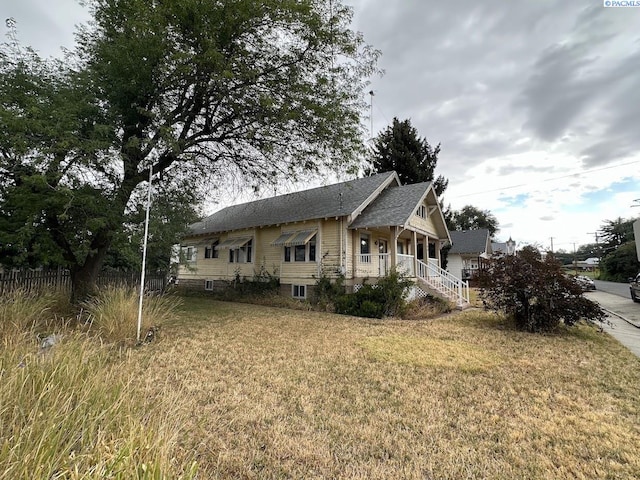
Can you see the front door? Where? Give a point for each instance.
(383, 257)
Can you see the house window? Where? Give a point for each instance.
(210, 251)
(189, 254)
(400, 247)
(299, 291)
(365, 244)
(241, 254)
(246, 251)
(301, 253)
(312, 250)
(208, 285)
(422, 211)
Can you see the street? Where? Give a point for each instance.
(621, 289)
(625, 317)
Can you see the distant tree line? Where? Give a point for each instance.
(619, 258)
(615, 248)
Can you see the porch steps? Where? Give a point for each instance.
(443, 284)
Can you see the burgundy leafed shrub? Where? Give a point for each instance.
(534, 292)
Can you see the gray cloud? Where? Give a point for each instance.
(477, 77)
(480, 76)
(510, 169)
(547, 218)
(45, 29)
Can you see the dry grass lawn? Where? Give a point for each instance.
(274, 393)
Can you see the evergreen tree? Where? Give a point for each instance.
(400, 148)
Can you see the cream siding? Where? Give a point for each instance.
(218, 268)
(329, 253)
(268, 256)
(424, 224)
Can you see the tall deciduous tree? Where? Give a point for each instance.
(616, 232)
(619, 261)
(400, 148)
(620, 264)
(189, 89)
(471, 218)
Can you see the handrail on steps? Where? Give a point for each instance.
(442, 281)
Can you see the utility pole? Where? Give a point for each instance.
(371, 114)
(575, 263)
(551, 244)
(597, 252)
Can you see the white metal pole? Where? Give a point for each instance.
(144, 254)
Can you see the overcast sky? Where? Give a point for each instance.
(536, 104)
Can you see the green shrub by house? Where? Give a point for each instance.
(386, 298)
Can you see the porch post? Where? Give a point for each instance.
(394, 247)
(438, 246)
(414, 240)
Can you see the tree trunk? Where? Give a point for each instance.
(84, 278)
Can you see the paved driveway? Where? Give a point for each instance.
(624, 317)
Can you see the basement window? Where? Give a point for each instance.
(208, 285)
(299, 291)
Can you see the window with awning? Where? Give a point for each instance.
(282, 239)
(298, 246)
(294, 239)
(233, 243)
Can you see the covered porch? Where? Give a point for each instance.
(413, 253)
(377, 251)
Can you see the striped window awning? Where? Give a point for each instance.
(282, 239)
(233, 243)
(296, 238)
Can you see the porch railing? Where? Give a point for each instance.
(372, 264)
(364, 258)
(430, 273)
(445, 283)
(405, 264)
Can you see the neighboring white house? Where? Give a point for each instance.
(504, 248)
(468, 249)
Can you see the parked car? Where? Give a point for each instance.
(585, 282)
(634, 287)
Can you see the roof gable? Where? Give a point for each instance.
(470, 241)
(340, 199)
(394, 206)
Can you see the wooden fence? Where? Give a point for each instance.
(60, 279)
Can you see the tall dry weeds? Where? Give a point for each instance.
(75, 409)
(21, 312)
(114, 312)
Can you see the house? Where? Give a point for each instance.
(358, 229)
(469, 248)
(504, 248)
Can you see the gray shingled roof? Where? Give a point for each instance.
(499, 247)
(469, 241)
(394, 206)
(335, 200)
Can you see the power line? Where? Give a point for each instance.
(549, 179)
